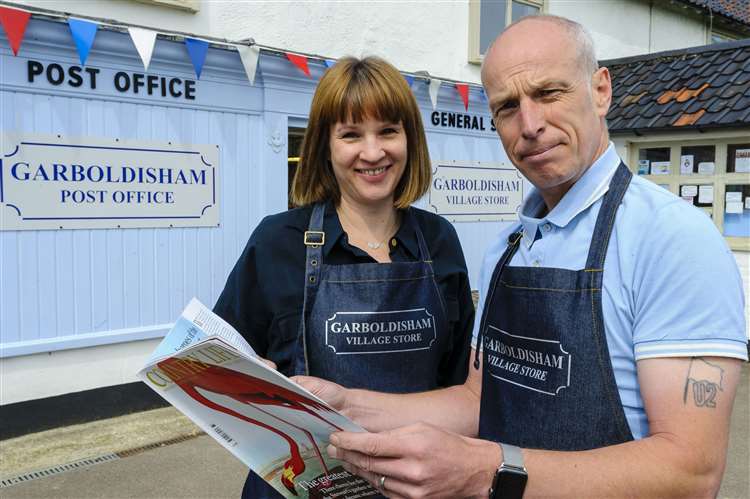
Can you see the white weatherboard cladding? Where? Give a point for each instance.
(73, 282)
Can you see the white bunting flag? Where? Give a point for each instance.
(434, 88)
(249, 56)
(144, 40)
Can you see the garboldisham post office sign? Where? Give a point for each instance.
(475, 191)
(54, 182)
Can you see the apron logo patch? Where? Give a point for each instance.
(536, 364)
(351, 333)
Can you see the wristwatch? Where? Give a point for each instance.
(510, 477)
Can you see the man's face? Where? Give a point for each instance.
(548, 113)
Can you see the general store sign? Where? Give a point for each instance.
(54, 182)
(475, 191)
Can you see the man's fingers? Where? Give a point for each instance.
(371, 444)
(269, 363)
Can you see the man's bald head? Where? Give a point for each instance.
(579, 37)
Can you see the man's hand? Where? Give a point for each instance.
(331, 393)
(420, 460)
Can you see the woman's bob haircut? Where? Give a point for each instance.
(351, 91)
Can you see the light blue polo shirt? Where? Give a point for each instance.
(671, 285)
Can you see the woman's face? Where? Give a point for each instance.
(368, 160)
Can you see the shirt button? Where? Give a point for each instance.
(547, 227)
(393, 242)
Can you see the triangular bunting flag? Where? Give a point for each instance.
(434, 89)
(463, 89)
(409, 80)
(249, 56)
(482, 94)
(144, 40)
(197, 50)
(300, 61)
(329, 62)
(14, 23)
(83, 34)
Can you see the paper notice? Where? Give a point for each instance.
(643, 166)
(660, 167)
(688, 190)
(742, 161)
(747, 203)
(706, 168)
(706, 194)
(689, 199)
(686, 164)
(733, 197)
(734, 207)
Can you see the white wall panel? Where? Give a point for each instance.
(59, 284)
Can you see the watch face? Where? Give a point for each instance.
(508, 484)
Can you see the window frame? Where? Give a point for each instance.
(475, 13)
(720, 178)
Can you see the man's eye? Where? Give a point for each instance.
(549, 92)
(505, 108)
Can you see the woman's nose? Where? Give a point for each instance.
(372, 150)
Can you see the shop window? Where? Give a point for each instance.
(737, 211)
(700, 160)
(295, 137)
(738, 158)
(654, 161)
(488, 18)
(712, 175)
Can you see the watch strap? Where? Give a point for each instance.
(512, 456)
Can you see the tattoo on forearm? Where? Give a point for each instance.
(703, 384)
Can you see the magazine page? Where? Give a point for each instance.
(197, 322)
(270, 423)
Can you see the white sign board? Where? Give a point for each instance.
(474, 191)
(54, 182)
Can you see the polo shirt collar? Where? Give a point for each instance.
(586, 191)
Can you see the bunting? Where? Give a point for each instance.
(83, 34)
(249, 56)
(463, 90)
(329, 62)
(409, 80)
(144, 40)
(434, 89)
(14, 23)
(197, 50)
(300, 61)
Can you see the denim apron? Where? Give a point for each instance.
(376, 326)
(548, 381)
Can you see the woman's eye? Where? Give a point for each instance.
(389, 131)
(348, 135)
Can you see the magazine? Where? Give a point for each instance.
(207, 370)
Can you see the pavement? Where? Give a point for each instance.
(161, 454)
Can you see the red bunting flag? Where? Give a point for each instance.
(463, 89)
(300, 61)
(14, 22)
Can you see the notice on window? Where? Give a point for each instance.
(706, 194)
(747, 203)
(688, 190)
(742, 161)
(643, 166)
(660, 167)
(706, 168)
(733, 197)
(734, 207)
(686, 164)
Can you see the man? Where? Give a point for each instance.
(612, 327)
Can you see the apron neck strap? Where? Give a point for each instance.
(510, 250)
(606, 219)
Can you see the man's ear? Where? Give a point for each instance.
(601, 89)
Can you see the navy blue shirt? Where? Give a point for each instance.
(263, 295)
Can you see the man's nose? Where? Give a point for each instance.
(372, 150)
(532, 118)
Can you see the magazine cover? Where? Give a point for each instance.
(207, 371)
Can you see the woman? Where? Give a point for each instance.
(354, 285)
